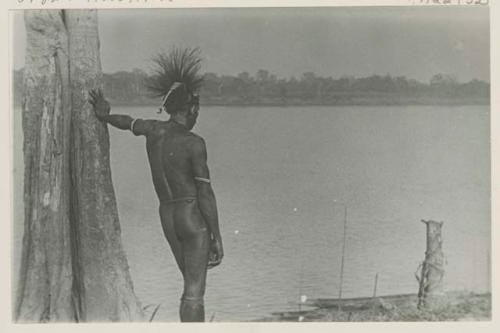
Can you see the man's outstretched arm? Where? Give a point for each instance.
(206, 198)
(124, 122)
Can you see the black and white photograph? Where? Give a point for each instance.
(251, 164)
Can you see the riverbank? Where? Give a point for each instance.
(453, 306)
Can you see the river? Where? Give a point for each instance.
(283, 176)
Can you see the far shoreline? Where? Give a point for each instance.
(285, 105)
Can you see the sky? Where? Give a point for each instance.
(416, 42)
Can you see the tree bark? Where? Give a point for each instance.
(45, 279)
(73, 266)
(103, 277)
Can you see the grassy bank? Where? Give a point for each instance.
(453, 306)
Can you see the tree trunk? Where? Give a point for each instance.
(104, 281)
(44, 291)
(73, 264)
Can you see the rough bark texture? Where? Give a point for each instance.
(73, 265)
(103, 276)
(45, 280)
(431, 277)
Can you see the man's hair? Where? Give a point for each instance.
(176, 78)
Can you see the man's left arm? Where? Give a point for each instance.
(206, 198)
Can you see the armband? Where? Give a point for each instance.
(204, 180)
(132, 125)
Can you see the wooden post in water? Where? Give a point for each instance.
(432, 268)
(375, 286)
(300, 284)
(343, 256)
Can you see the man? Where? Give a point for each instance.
(188, 211)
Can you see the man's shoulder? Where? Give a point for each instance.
(195, 141)
(196, 138)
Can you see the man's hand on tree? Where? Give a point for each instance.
(99, 103)
(216, 253)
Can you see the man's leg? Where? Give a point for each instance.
(167, 223)
(195, 250)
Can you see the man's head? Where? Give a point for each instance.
(180, 102)
(177, 80)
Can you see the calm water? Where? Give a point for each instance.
(276, 173)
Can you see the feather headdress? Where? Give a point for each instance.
(176, 77)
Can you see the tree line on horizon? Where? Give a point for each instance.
(265, 88)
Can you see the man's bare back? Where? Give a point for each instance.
(170, 146)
